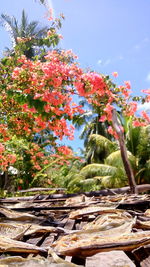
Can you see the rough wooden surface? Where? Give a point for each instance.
(54, 211)
(110, 259)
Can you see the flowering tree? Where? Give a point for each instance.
(37, 97)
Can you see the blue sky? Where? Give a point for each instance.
(107, 35)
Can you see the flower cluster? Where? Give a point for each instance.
(6, 159)
(38, 96)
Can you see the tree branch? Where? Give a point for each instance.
(127, 166)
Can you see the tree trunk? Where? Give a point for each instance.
(6, 180)
(127, 166)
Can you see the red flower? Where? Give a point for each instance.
(2, 148)
(115, 74)
(128, 84)
(145, 116)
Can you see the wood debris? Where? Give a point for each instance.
(38, 230)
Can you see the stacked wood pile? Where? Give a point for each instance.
(82, 230)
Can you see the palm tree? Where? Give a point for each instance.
(28, 33)
(98, 148)
(96, 176)
(90, 123)
(94, 126)
(138, 142)
(104, 165)
(106, 152)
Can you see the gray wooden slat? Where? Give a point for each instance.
(146, 262)
(34, 241)
(48, 241)
(69, 224)
(109, 259)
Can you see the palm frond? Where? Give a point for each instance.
(16, 27)
(115, 159)
(39, 32)
(143, 147)
(31, 28)
(116, 181)
(100, 141)
(82, 119)
(74, 183)
(87, 130)
(96, 169)
(25, 30)
(9, 23)
(132, 136)
(99, 147)
(44, 2)
(92, 125)
(89, 184)
(105, 176)
(145, 177)
(24, 23)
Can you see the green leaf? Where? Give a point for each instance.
(95, 169)
(115, 159)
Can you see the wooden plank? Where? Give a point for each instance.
(140, 254)
(68, 258)
(146, 262)
(78, 261)
(141, 205)
(39, 189)
(58, 215)
(103, 192)
(48, 200)
(69, 224)
(77, 226)
(34, 240)
(109, 259)
(48, 240)
(36, 208)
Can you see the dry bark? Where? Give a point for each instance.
(123, 149)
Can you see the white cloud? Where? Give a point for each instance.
(104, 62)
(142, 44)
(145, 106)
(99, 62)
(148, 77)
(137, 47)
(107, 62)
(121, 57)
(146, 40)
